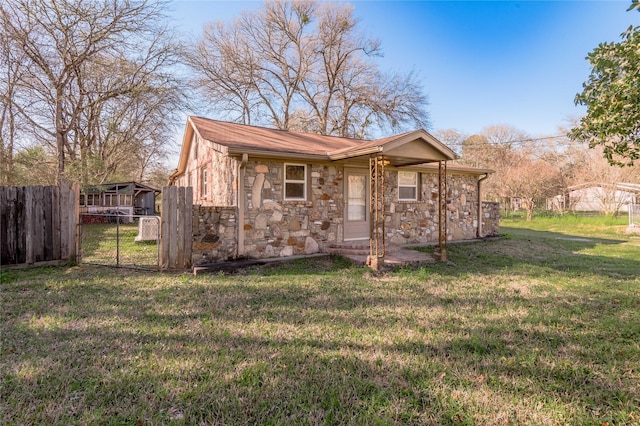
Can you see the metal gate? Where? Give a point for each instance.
(121, 240)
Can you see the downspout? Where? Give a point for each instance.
(479, 232)
(240, 203)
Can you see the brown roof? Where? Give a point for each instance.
(239, 136)
(405, 149)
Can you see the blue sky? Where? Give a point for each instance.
(482, 63)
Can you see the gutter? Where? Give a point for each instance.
(276, 155)
(479, 231)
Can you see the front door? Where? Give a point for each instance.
(356, 213)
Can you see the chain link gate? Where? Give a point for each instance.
(120, 240)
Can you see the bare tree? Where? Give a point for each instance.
(11, 70)
(532, 181)
(79, 56)
(451, 138)
(303, 65)
(498, 148)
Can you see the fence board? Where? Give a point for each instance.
(177, 218)
(29, 208)
(38, 223)
(56, 234)
(66, 209)
(4, 223)
(20, 225)
(164, 230)
(188, 227)
(39, 227)
(180, 219)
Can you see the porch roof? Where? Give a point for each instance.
(120, 188)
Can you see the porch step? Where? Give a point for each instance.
(356, 249)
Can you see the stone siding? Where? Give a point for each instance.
(276, 227)
(415, 222)
(490, 219)
(214, 234)
(221, 189)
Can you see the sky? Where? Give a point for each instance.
(482, 63)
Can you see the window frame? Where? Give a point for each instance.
(203, 182)
(286, 181)
(414, 186)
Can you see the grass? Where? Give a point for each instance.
(111, 244)
(539, 327)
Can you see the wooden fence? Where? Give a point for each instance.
(177, 228)
(38, 224)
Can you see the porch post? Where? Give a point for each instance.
(442, 211)
(377, 231)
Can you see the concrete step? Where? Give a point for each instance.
(355, 249)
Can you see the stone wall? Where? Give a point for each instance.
(276, 227)
(214, 234)
(490, 219)
(415, 222)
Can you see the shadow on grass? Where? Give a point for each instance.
(333, 348)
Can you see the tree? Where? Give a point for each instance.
(11, 72)
(532, 181)
(612, 97)
(451, 138)
(303, 65)
(495, 148)
(85, 63)
(597, 171)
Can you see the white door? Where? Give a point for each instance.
(356, 214)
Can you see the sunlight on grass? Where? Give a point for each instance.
(527, 329)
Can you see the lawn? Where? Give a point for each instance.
(538, 327)
(113, 244)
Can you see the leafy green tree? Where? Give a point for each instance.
(612, 97)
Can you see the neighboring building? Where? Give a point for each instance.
(296, 193)
(126, 198)
(597, 197)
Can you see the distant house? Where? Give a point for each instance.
(125, 198)
(297, 193)
(597, 197)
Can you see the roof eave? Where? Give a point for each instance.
(355, 153)
(235, 151)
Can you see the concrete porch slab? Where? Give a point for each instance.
(397, 257)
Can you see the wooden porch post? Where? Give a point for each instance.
(377, 231)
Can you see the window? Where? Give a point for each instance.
(110, 200)
(92, 200)
(407, 186)
(295, 182)
(356, 198)
(203, 183)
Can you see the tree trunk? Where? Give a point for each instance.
(60, 138)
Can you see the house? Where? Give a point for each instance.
(597, 197)
(296, 193)
(125, 198)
